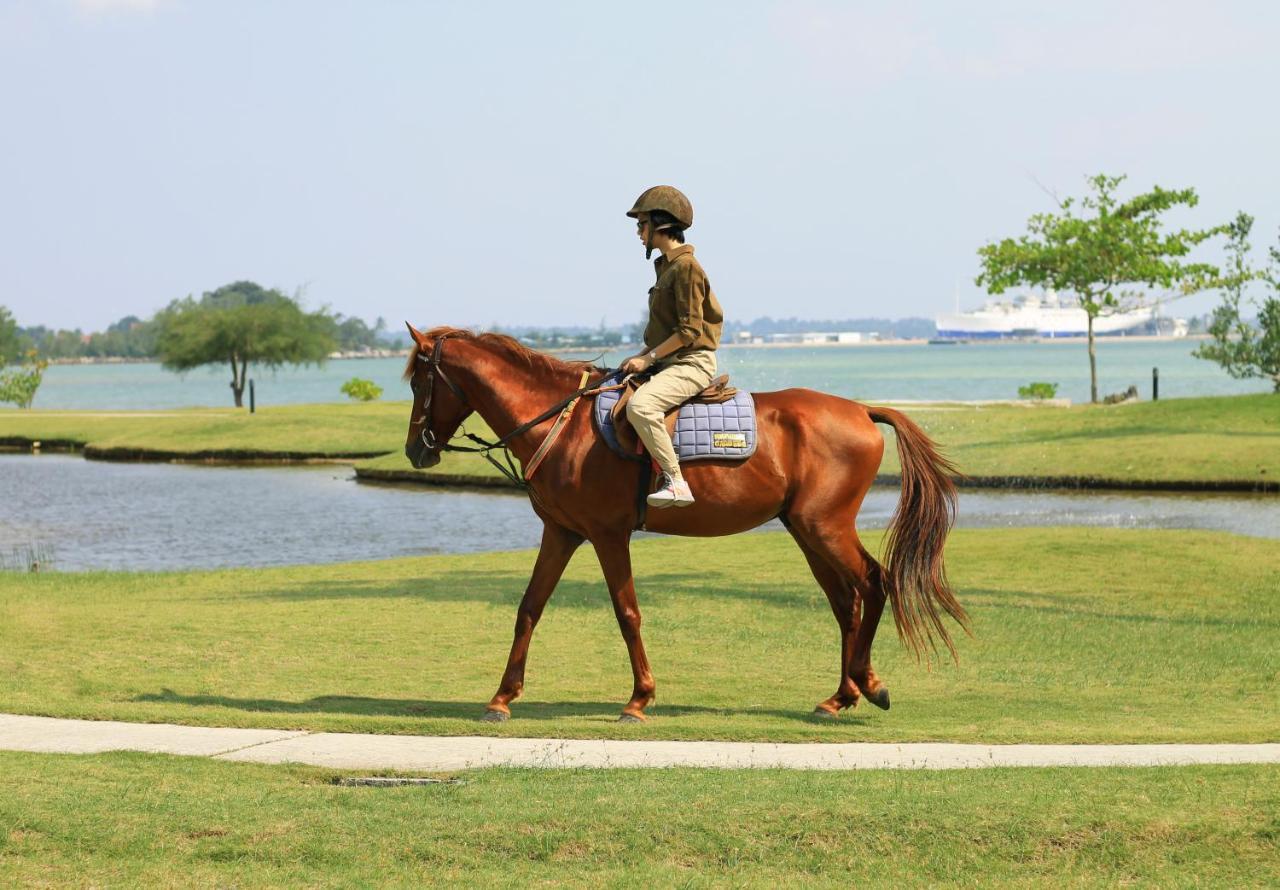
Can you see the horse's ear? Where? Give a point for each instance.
(417, 335)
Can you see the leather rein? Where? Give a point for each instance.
(564, 408)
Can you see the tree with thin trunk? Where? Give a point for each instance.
(242, 324)
(1102, 250)
(1244, 349)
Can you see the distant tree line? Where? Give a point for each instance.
(604, 337)
(566, 336)
(135, 338)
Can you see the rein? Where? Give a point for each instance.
(564, 408)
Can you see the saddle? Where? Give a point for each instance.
(718, 422)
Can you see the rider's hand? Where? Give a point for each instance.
(636, 364)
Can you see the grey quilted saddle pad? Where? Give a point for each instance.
(723, 431)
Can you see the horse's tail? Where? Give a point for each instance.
(916, 579)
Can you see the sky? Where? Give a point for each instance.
(470, 163)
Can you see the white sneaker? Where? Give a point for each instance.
(672, 493)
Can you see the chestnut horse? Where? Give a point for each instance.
(817, 456)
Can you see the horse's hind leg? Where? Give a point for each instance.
(838, 545)
(873, 597)
(558, 546)
(845, 607)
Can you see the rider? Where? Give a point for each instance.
(680, 338)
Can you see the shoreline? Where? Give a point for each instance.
(464, 481)
(889, 480)
(728, 344)
(1224, 444)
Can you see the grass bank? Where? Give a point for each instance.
(280, 432)
(1082, 635)
(1231, 441)
(146, 820)
(1220, 439)
(1227, 442)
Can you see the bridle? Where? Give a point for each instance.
(564, 408)
(429, 437)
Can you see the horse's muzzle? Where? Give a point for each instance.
(420, 457)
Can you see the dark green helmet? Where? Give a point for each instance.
(667, 199)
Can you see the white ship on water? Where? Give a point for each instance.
(1034, 316)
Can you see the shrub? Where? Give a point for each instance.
(361, 390)
(19, 385)
(1038, 391)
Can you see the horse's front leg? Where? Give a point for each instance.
(614, 553)
(558, 545)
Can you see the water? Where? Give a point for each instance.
(868, 373)
(92, 515)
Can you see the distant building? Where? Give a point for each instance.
(815, 338)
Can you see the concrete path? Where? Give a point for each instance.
(447, 753)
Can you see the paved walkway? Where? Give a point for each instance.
(446, 753)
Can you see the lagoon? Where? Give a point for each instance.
(871, 373)
(89, 515)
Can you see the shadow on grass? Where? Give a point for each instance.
(505, 589)
(1026, 601)
(469, 711)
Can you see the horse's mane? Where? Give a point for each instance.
(501, 343)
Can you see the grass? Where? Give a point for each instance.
(146, 820)
(1083, 635)
(1223, 438)
(1219, 439)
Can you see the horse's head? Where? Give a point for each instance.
(439, 406)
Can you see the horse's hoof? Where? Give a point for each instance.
(495, 717)
(630, 718)
(823, 714)
(880, 698)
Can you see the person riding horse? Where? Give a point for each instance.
(680, 338)
(816, 457)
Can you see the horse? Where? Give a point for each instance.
(816, 458)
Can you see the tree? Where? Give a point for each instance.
(1103, 255)
(1241, 349)
(10, 338)
(354, 334)
(130, 337)
(241, 324)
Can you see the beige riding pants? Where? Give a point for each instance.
(677, 380)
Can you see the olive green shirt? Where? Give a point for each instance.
(682, 303)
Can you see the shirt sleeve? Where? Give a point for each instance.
(691, 290)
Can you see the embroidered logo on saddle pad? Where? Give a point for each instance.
(703, 431)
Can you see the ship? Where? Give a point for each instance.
(1030, 316)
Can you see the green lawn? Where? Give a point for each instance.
(148, 820)
(365, 428)
(1233, 438)
(1083, 635)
